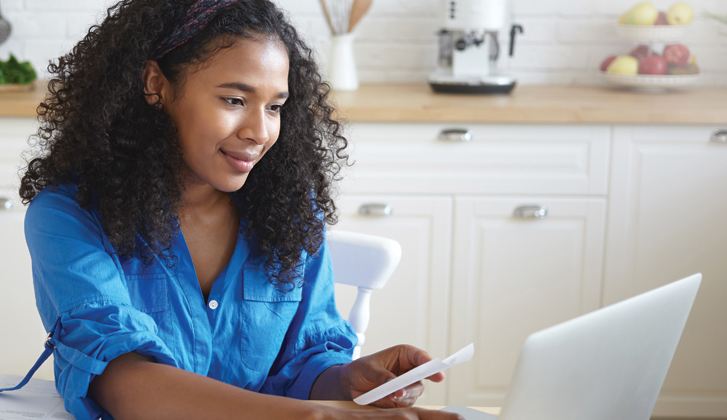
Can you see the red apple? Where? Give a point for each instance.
(640, 52)
(676, 54)
(661, 20)
(653, 64)
(677, 71)
(607, 61)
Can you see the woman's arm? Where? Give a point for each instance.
(134, 387)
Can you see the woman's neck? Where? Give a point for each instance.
(203, 199)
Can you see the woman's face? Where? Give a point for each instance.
(228, 112)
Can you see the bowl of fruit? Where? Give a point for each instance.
(645, 68)
(644, 22)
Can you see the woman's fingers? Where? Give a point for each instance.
(409, 357)
(437, 377)
(408, 396)
(401, 414)
(436, 415)
(405, 397)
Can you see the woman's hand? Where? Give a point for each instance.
(396, 414)
(367, 373)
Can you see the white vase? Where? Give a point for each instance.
(342, 63)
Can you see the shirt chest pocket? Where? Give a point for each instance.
(148, 292)
(266, 317)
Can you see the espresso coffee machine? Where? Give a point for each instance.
(470, 53)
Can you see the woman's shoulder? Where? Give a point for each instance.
(54, 206)
(55, 195)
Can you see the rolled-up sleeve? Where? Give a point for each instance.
(318, 337)
(79, 288)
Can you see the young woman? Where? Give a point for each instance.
(177, 223)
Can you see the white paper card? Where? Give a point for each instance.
(36, 400)
(417, 374)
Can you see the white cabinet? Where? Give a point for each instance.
(412, 308)
(667, 220)
(630, 208)
(513, 276)
(14, 134)
(21, 331)
(510, 277)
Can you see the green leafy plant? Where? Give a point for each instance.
(721, 18)
(15, 72)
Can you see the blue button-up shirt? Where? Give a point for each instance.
(255, 337)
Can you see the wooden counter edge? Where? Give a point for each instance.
(23, 104)
(548, 104)
(531, 104)
(352, 405)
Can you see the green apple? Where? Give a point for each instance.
(680, 13)
(642, 14)
(624, 64)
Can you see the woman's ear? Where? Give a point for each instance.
(154, 83)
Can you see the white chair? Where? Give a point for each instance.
(364, 261)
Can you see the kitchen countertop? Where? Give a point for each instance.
(22, 104)
(527, 104)
(535, 104)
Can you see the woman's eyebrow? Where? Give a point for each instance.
(247, 88)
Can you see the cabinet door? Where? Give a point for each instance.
(513, 276)
(666, 221)
(412, 307)
(21, 332)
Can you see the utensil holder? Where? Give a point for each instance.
(342, 63)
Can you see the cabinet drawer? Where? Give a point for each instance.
(499, 159)
(14, 133)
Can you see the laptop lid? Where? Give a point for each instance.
(605, 365)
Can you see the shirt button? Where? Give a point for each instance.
(213, 304)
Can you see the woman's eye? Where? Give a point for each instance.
(276, 108)
(234, 101)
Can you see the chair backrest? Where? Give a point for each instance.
(364, 261)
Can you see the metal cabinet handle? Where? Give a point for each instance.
(531, 212)
(719, 136)
(455, 134)
(375, 210)
(5, 203)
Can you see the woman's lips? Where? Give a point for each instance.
(243, 161)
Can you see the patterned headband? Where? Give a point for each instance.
(196, 19)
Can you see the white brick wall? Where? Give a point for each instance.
(564, 40)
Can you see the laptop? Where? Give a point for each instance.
(605, 365)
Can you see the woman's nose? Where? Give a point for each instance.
(254, 127)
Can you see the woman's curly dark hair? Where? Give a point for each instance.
(98, 131)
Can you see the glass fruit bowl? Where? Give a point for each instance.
(657, 33)
(650, 82)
